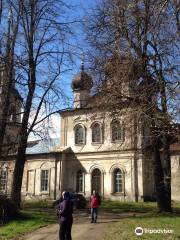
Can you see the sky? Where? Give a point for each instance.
(79, 9)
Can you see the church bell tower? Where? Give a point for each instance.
(81, 85)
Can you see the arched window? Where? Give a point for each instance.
(79, 135)
(96, 133)
(79, 181)
(96, 180)
(118, 180)
(117, 131)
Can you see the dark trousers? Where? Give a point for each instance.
(65, 230)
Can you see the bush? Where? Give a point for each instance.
(7, 209)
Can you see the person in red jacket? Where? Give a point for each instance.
(94, 203)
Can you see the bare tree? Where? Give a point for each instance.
(176, 13)
(140, 31)
(8, 38)
(1, 9)
(43, 55)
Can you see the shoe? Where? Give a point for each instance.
(92, 221)
(95, 221)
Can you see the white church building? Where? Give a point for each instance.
(96, 151)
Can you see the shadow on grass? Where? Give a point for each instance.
(139, 207)
(26, 215)
(110, 221)
(41, 212)
(145, 208)
(44, 212)
(37, 205)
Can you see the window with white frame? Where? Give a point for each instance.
(96, 133)
(79, 135)
(117, 131)
(3, 179)
(79, 181)
(118, 180)
(44, 180)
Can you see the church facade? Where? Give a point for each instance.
(97, 151)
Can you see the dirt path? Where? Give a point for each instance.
(82, 228)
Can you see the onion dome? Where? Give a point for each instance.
(82, 81)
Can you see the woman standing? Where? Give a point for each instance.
(65, 211)
(94, 203)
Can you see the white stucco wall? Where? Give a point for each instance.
(31, 187)
(175, 177)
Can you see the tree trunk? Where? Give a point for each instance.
(166, 163)
(163, 203)
(5, 106)
(18, 173)
(8, 65)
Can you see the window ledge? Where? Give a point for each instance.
(118, 194)
(96, 143)
(118, 141)
(80, 144)
(44, 193)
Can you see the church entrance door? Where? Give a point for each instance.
(96, 180)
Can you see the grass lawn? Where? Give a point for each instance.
(33, 216)
(38, 214)
(145, 216)
(139, 207)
